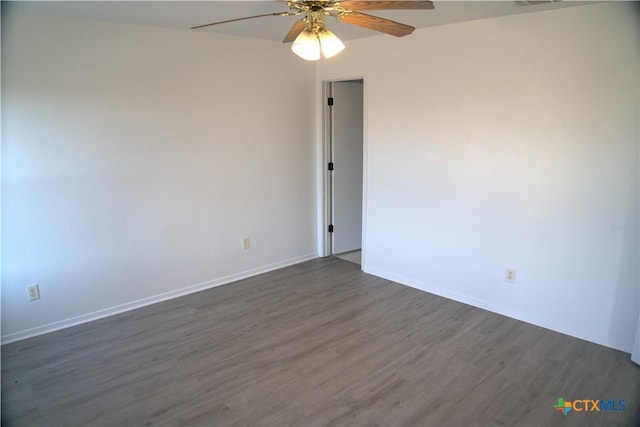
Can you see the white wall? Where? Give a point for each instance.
(134, 159)
(509, 142)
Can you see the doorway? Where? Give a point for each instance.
(344, 149)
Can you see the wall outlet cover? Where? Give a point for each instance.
(33, 292)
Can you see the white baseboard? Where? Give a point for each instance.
(77, 320)
(495, 308)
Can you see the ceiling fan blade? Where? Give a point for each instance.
(385, 5)
(297, 28)
(371, 22)
(242, 19)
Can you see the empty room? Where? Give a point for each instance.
(381, 213)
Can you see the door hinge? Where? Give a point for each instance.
(330, 228)
(330, 101)
(330, 166)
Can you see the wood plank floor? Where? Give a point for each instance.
(318, 343)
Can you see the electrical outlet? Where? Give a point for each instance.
(246, 243)
(510, 275)
(33, 292)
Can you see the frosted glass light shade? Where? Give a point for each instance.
(331, 45)
(307, 46)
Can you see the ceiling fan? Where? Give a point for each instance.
(310, 37)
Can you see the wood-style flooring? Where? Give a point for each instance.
(318, 343)
(353, 256)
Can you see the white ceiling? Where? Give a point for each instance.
(185, 14)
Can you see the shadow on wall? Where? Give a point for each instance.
(627, 286)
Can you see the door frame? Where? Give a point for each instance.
(324, 155)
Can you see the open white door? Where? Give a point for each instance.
(346, 152)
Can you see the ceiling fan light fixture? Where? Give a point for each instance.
(307, 46)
